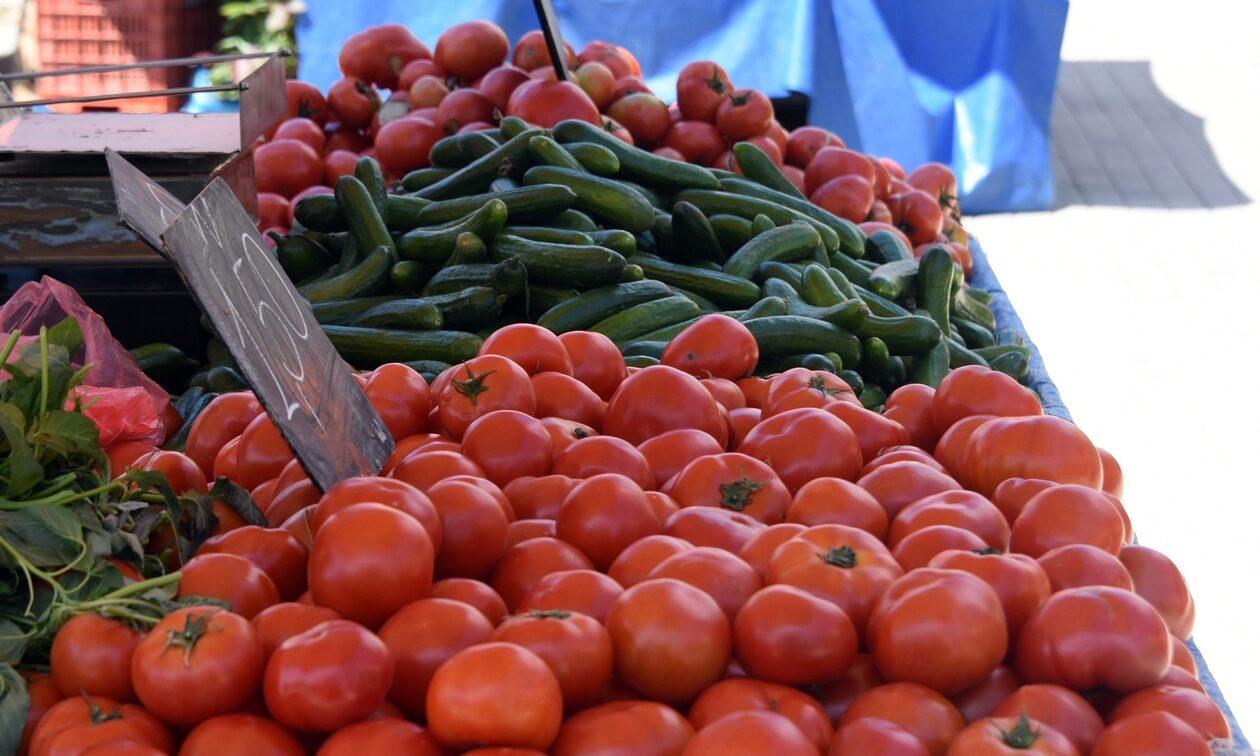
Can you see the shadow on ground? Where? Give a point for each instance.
(1117, 140)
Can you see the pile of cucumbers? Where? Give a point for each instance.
(575, 230)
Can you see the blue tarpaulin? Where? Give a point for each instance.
(964, 82)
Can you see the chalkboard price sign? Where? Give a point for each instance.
(143, 205)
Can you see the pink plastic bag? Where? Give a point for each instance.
(131, 413)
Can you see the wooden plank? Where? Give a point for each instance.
(149, 133)
(305, 387)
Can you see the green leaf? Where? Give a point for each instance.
(12, 643)
(14, 703)
(68, 433)
(67, 335)
(47, 535)
(239, 500)
(24, 471)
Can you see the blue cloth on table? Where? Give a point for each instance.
(983, 277)
(968, 83)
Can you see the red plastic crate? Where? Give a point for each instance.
(76, 33)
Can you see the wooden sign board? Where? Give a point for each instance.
(551, 34)
(145, 207)
(303, 384)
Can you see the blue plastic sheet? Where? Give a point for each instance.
(983, 277)
(968, 83)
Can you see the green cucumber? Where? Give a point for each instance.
(967, 306)
(409, 276)
(722, 288)
(368, 171)
(366, 224)
(528, 204)
(778, 336)
(757, 166)
(705, 305)
(507, 159)
(904, 335)
(467, 309)
(1009, 336)
(225, 380)
(301, 257)
(931, 367)
(158, 357)
(1014, 364)
(549, 234)
(320, 212)
(818, 288)
(853, 378)
(544, 150)
(635, 164)
(667, 333)
(811, 361)
(849, 315)
(853, 270)
(764, 308)
(469, 248)
(873, 397)
(849, 239)
(373, 347)
(935, 282)
(572, 219)
(543, 298)
(592, 306)
(422, 177)
(510, 126)
(367, 277)
(641, 361)
(732, 231)
(992, 353)
(582, 266)
(693, 232)
(645, 349)
(434, 245)
(895, 279)
(457, 151)
(508, 278)
(876, 360)
(402, 212)
(631, 273)
(974, 336)
(610, 200)
(762, 223)
(784, 244)
(428, 369)
(960, 355)
(789, 272)
(713, 202)
(884, 308)
(595, 158)
(342, 311)
(618, 240)
(884, 246)
(629, 325)
(651, 196)
(405, 314)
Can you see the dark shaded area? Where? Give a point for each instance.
(1117, 140)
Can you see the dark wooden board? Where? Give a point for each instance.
(303, 384)
(551, 34)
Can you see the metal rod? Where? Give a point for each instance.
(122, 96)
(551, 35)
(164, 63)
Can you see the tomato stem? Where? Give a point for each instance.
(1022, 735)
(839, 556)
(738, 494)
(474, 386)
(195, 626)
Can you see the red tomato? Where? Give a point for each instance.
(541, 497)
(715, 346)
(898, 484)
(1078, 564)
(697, 141)
(702, 88)
(801, 387)
(495, 694)
(999, 736)
(670, 452)
(921, 711)
(618, 59)
(641, 557)
(217, 670)
(123, 455)
(732, 696)
(643, 114)
(303, 100)
(670, 640)
(918, 215)
(975, 390)
(574, 646)
(834, 500)
(531, 52)
(953, 443)
(962, 509)
(507, 444)
(393, 493)
(1058, 708)
(273, 210)
(368, 560)
(603, 515)
(761, 547)
(377, 54)
(628, 727)
(724, 392)
(274, 551)
(785, 635)
(286, 167)
(426, 92)
(875, 736)
(585, 591)
(425, 469)
(1116, 639)
(240, 733)
(941, 628)
(805, 141)
(499, 84)
(279, 622)
(1044, 447)
(403, 144)
(225, 462)
(401, 397)
(337, 163)
(563, 396)
(74, 724)
(1190, 706)
(596, 361)
(742, 421)
(713, 526)
(1065, 515)
(381, 736)
(833, 162)
(231, 578)
(565, 433)
(43, 694)
(470, 49)
(803, 444)
(327, 677)
(1157, 733)
(303, 130)
(1019, 582)
(1157, 579)
(347, 139)
(91, 655)
(480, 386)
(524, 564)
(463, 107)
(726, 578)
(596, 455)
(546, 103)
(743, 114)
(616, 129)
(1113, 477)
(533, 348)
(732, 481)
(475, 593)
(755, 731)
(421, 637)
(849, 197)
(261, 453)
(474, 530)
(1013, 494)
(911, 405)
(181, 472)
(874, 431)
(981, 699)
(922, 546)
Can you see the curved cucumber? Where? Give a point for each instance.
(636, 164)
(779, 336)
(594, 158)
(562, 264)
(722, 288)
(614, 202)
(593, 306)
(785, 243)
(526, 204)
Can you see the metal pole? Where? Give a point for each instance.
(551, 33)
(166, 63)
(121, 96)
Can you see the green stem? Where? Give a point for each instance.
(135, 589)
(64, 497)
(8, 346)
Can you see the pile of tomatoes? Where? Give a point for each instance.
(564, 555)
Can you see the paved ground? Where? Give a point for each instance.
(1141, 290)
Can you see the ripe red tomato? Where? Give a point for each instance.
(303, 130)
(1065, 515)
(417, 69)
(261, 453)
(217, 669)
(596, 361)
(1155, 732)
(337, 163)
(755, 731)
(670, 452)
(921, 711)
(1116, 639)
(713, 526)
(743, 114)
(181, 472)
(1077, 564)
(531, 52)
(670, 640)
(849, 197)
(393, 493)
(586, 591)
(403, 144)
(1013, 494)
(381, 736)
(660, 399)
(596, 455)
(426, 92)
(273, 210)
(497, 694)
(286, 167)
(922, 546)
(1044, 447)
(938, 181)
(401, 397)
(482, 385)
(92, 655)
(474, 530)
(1058, 708)
(919, 215)
(726, 578)
(803, 444)
(507, 444)
(998, 736)
(630, 727)
(702, 87)
(574, 646)
(738, 695)
(603, 515)
(941, 628)
(546, 103)
(833, 162)
(425, 468)
(802, 387)
(353, 102)
(377, 54)
(1157, 579)
(761, 547)
(368, 560)
(1019, 582)
(911, 405)
(618, 59)
(240, 733)
(1190, 706)
(470, 49)
(303, 100)
(641, 557)
(715, 346)
(499, 84)
(475, 593)
(43, 695)
(75, 724)
(327, 677)
(462, 107)
(805, 141)
(421, 637)
(617, 130)
(628, 85)
(279, 622)
(874, 431)
(697, 141)
(785, 635)
(534, 498)
(872, 735)
(963, 509)
(563, 396)
(231, 578)
(975, 390)
(643, 114)
(276, 552)
(733, 481)
(527, 562)
(898, 484)
(533, 348)
(952, 445)
(981, 699)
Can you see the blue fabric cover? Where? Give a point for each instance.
(964, 82)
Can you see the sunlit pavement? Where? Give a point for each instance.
(1149, 318)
